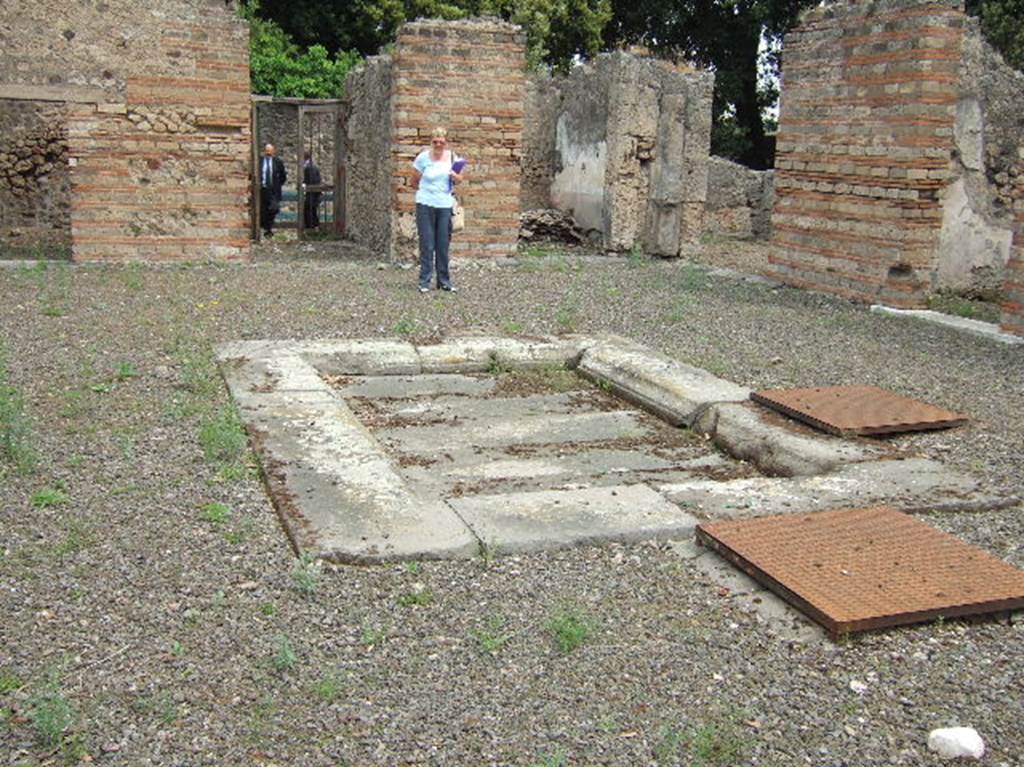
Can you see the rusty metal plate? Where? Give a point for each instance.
(861, 569)
(857, 409)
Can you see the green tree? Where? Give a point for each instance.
(557, 30)
(1002, 22)
(724, 35)
(279, 67)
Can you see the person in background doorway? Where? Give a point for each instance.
(434, 180)
(272, 178)
(311, 206)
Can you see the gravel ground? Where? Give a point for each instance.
(143, 626)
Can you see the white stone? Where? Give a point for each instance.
(956, 742)
(858, 687)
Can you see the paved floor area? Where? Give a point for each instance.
(381, 450)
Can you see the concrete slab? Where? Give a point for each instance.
(362, 357)
(403, 387)
(671, 389)
(493, 407)
(336, 492)
(492, 471)
(478, 354)
(521, 522)
(978, 328)
(916, 484)
(746, 433)
(525, 430)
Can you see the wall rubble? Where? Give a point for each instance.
(35, 186)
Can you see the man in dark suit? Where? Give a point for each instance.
(311, 177)
(272, 178)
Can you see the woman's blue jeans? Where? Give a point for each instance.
(434, 227)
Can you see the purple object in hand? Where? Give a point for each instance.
(457, 167)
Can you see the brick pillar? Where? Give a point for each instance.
(164, 175)
(865, 147)
(467, 76)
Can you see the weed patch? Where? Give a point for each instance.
(15, 450)
(306, 574)
(215, 513)
(223, 441)
(50, 496)
(569, 627)
(284, 657)
(51, 716)
(493, 635)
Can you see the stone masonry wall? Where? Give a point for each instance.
(370, 93)
(157, 125)
(624, 141)
(977, 221)
(539, 158)
(35, 194)
(467, 76)
(739, 200)
(864, 147)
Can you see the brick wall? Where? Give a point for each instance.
(157, 125)
(864, 147)
(467, 76)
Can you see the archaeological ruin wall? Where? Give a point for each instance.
(35, 186)
(151, 103)
(740, 200)
(622, 145)
(898, 156)
(466, 76)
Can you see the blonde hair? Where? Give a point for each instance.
(439, 133)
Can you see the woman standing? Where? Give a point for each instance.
(435, 180)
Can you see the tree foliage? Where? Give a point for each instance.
(556, 30)
(279, 67)
(1002, 22)
(724, 35)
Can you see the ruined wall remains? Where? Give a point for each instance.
(369, 92)
(35, 186)
(539, 160)
(581, 144)
(624, 141)
(740, 200)
(467, 76)
(157, 120)
(897, 154)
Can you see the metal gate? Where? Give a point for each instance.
(310, 136)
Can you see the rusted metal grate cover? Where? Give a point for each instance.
(857, 409)
(860, 569)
